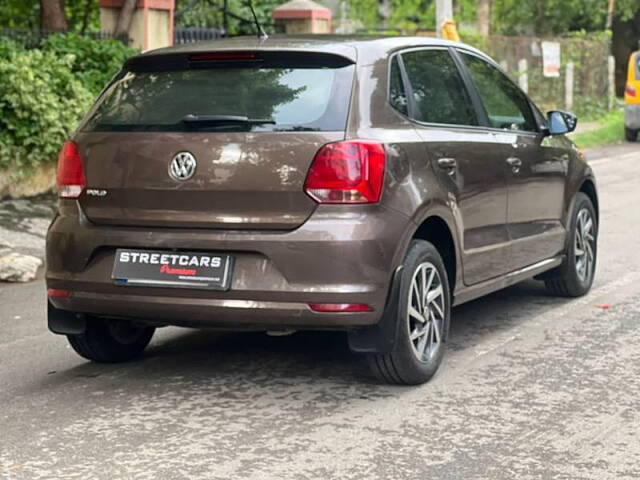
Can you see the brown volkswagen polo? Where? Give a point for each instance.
(357, 184)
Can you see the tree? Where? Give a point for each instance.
(125, 18)
(20, 14)
(209, 13)
(554, 17)
(53, 16)
(83, 15)
(484, 17)
(626, 39)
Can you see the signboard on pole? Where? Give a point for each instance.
(551, 59)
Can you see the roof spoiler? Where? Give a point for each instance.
(235, 59)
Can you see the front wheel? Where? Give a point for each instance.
(575, 276)
(111, 341)
(630, 134)
(422, 320)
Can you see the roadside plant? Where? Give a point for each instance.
(95, 61)
(41, 102)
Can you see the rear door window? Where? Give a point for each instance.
(439, 93)
(308, 97)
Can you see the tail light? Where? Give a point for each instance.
(58, 293)
(339, 307)
(347, 172)
(630, 90)
(70, 176)
(198, 57)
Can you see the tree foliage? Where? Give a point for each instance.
(94, 62)
(547, 17)
(41, 101)
(209, 13)
(25, 14)
(402, 14)
(541, 17)
(508, 16)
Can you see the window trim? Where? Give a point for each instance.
(457, 53)
(405, 85)
(411, 100)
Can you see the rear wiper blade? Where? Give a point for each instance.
(225, 119)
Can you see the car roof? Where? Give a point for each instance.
(353, 47)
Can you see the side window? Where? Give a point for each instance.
(438, 90)
(507, 107)
(397, 95)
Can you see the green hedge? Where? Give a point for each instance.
(95, 61)
(44, 93)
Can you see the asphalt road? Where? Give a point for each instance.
(533, 387)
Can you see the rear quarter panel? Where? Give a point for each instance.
(411, 188)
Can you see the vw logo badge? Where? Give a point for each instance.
(182, 166)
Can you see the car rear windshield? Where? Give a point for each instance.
(259, 97)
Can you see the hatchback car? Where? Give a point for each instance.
(632, 99)
(345, 183)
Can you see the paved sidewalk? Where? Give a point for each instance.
(24, 223)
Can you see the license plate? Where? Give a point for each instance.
(160, 268)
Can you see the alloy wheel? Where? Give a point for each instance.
(426, 312)
(584, 244)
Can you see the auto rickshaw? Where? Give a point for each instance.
(632, 99)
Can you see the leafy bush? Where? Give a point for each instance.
(96, 61)
(44, 93)
(7, 48)
(41, 102)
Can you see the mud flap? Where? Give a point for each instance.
(65, 323)
(381, 337)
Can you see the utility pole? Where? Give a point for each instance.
(444, 12)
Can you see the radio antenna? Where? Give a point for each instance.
(262, 35)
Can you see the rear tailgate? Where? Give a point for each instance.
(242, 180)
(249, 173)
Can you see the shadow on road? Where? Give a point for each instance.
(246, 359)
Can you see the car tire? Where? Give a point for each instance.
(111, 341)
(630, 134)
(575, 276)
(404, 364)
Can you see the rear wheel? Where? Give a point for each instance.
(630, 134)
(422, 320)
(575, 276)
(111, 341)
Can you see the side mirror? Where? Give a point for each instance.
(561, 122)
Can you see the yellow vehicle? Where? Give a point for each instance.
(632, 99)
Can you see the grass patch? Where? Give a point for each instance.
(610, 130)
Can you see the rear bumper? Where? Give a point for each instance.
(340, 255)
(632, 117)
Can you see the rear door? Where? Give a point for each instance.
(249, 123)
(537, 167)
(466, 157)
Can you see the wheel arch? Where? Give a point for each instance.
(439, 232)
(588, 187)
(437, 228)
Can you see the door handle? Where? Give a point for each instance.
(447, 162)
(514, 162)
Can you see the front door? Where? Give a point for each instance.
(536, 171)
